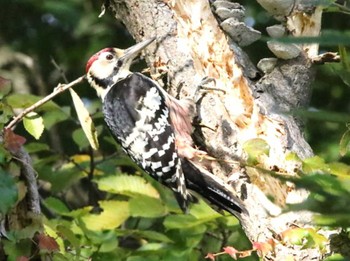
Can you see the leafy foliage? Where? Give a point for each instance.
(8, 191)
(128, 217)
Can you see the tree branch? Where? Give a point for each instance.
(247, 111)
(59, 89)
(29, 176)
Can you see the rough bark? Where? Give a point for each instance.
(26, 214)
(192, 46)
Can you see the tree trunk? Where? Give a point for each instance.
(191, 45)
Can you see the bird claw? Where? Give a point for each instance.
(204, 87)
(186, 150)
(205, 81)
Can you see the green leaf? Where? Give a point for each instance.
(17, 249)
(113, 215)
(22, 101)
(110, 244)
(56, 205)
(60, 178)
(315, 239)
(314, 164)
(144, 206)
(34, 147)
(339, 169)
(325, 184)
(182, 221)
(152, 247)
(203, 212)
(51, 117)
(291, 156)
(328, 38)
(144, 234)
(188, 237)
(68, 234)
(322, 115)
(34, 124)
(306, 237)
(336, 257)
(294, 236)
(80, 138)
(5, 155)
(333, 220)
(344, 145)
(329, 194)
(6, 113)
(85, 120)
(344, 59)
(141, 258)
(127, 185)
(77, 213)
(27, 232)
(255, 148)
(8, 192)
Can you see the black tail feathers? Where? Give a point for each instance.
(206, 185)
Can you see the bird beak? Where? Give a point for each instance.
(132, 52)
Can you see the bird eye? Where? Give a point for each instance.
(109, 57)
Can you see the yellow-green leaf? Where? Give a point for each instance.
(143, 206)
(202, 211)
(294, 236)
(147, 234)
(255, 148)
(34, 124)
(308, 237)
(181, 221)
(344, 145)
(127, 185)
(340, 169)
(316, 240)
(314, 164)
(85, 120)
(292, 156)
(68, 234)
(113, 215)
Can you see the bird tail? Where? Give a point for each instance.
(178, 185)
(208, 186)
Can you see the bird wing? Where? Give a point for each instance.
(138, 117)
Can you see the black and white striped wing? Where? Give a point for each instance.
(136, 114)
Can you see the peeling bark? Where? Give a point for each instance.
(192, 46)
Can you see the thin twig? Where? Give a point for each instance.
(342, 8)
(59, 89)
(63, 75)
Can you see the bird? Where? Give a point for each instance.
(154, 128)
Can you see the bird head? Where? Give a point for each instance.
(110, 65)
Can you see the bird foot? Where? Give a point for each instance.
(204, 87)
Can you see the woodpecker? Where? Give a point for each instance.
(154, 128)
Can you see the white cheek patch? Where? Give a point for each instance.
(102, 69)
